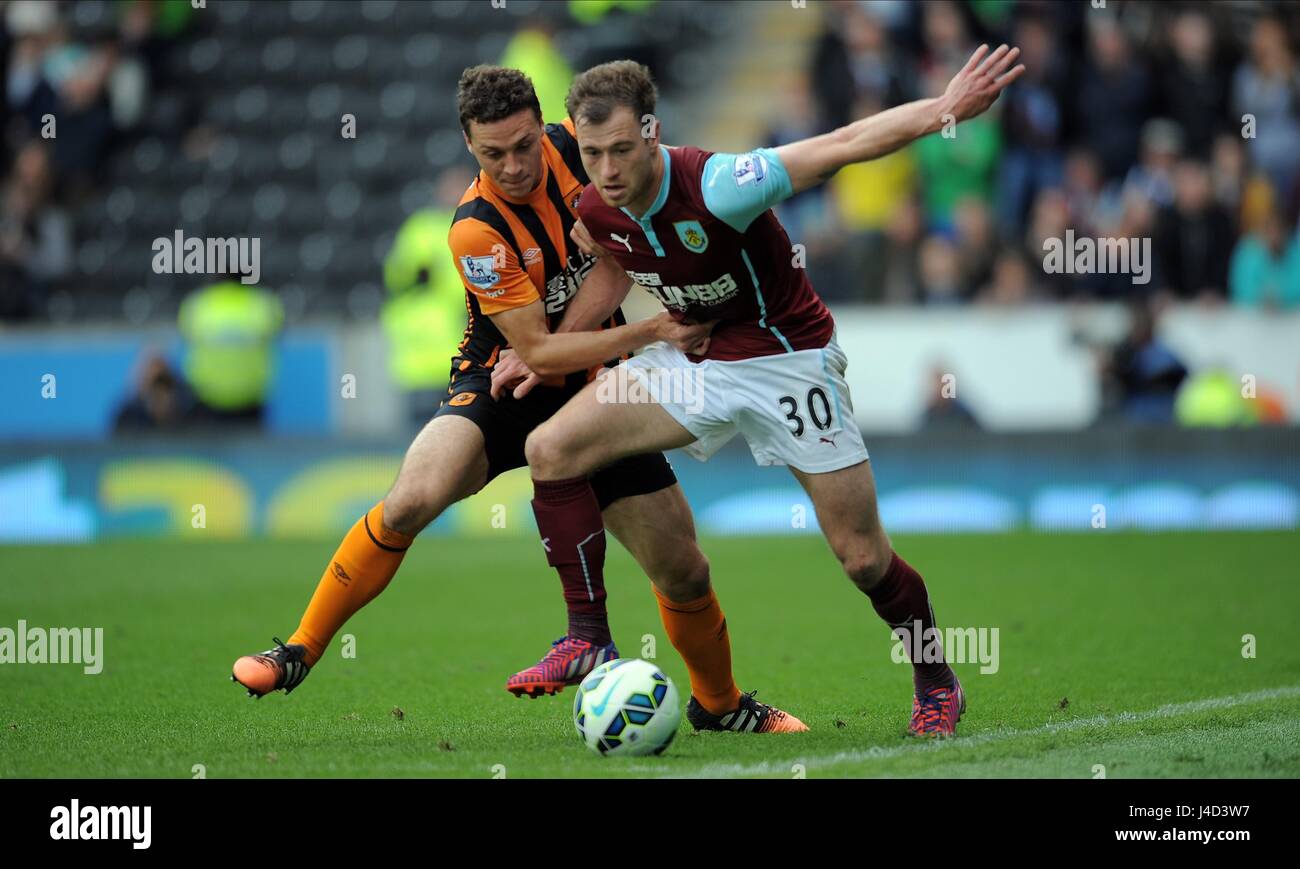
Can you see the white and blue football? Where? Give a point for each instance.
(627, 707)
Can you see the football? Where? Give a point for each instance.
(627, 707)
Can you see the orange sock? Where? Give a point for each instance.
(698, 630)
(361, 568)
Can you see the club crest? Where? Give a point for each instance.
(692, 235)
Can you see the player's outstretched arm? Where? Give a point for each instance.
(810, 162)
(550, 353)
(491, 270)
(597, 298)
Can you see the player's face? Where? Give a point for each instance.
(509, 151)
(619, 158)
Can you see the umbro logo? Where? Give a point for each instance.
(340, 574)
(532, 255)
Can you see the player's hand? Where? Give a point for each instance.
(973, 90)
(687, 337)
(585, 242)
(699, 348)
(511, 373)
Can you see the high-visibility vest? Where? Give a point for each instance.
(533, 53)
(424, 316)
(591, 11)
(230, 329)
(1212, 399)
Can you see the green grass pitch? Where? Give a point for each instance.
(1118, 650)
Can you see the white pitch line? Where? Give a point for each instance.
(1169, 710)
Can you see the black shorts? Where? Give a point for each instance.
(507, 421)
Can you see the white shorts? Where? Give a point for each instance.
(792, 408)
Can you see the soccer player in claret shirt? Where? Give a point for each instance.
(533, 298)
(696, 228)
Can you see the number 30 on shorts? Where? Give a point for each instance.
(818, 409)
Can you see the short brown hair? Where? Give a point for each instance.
(597, 92)
(490, 93)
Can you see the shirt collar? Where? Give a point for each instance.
(663, 190)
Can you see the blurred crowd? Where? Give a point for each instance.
(73, 90)
(1173, 122)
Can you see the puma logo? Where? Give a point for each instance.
(826, 440)
(626, 240)
(340, 574)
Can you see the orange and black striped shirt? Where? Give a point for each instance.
(510, 254)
